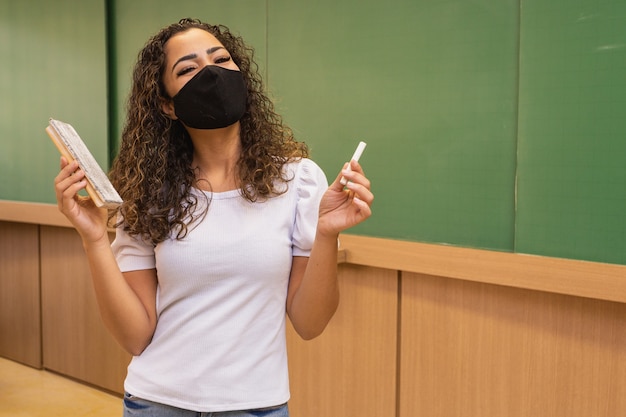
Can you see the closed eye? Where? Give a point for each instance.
(184, 71)
(222, 60)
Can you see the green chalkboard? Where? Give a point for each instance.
(132, 23)
(53, 64)
(431, 86)
(490, 124)
(572, 130)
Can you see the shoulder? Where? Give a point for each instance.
(306, 179)
(305, 172)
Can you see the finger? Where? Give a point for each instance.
(365, 210)
(70, 193)
(336, 184)
(69, 175)
(69, 183)
(75, 187)
(67, 169)
(361, 192)
(356, 175)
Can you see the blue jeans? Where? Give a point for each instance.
(137, 407)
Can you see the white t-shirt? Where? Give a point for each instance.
(219, 343)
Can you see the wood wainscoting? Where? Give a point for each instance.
(421, 330)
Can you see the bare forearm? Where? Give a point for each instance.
(121, 310)
(317, 297)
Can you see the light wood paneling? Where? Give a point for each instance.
(561, 276)
(75, 341)
(479, 334)
(36, 213)
(20, 311)
(479, 350)
(350, 370)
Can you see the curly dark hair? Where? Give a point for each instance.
(152, 171)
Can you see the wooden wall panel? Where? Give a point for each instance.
(479, 350)
(75, 341)
(20, 311)
(465, 333)
(350, 370)
(562, 276)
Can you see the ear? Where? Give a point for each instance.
(167, 106)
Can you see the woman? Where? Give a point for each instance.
(226, 224)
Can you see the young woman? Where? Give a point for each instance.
(225, 226)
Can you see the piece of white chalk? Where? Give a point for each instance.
(357, 154)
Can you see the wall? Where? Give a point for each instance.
(54, 64)
(484, 334)
(491, 124)
(572, 90)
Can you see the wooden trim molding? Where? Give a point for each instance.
(562, 276)
(36, 213)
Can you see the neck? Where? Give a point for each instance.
(215, 157)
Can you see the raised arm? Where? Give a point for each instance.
(127, 302)
(313, 294)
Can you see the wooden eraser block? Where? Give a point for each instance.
(72, 147)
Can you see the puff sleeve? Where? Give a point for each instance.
(311, 184)
(132, 253)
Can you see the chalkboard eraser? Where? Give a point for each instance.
(72, 147)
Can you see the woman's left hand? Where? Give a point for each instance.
(345, 206)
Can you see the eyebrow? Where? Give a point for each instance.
(194, 55)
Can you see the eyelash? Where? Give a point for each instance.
(222, 60)
(186, 70)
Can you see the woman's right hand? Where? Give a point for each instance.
(89, 220)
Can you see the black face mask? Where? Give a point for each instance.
(214, 98)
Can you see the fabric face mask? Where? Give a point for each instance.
(214, 98)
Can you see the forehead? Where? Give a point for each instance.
(191, 40)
